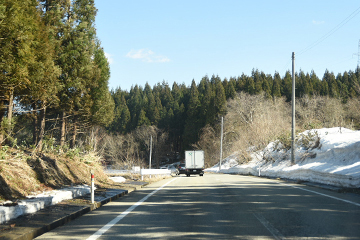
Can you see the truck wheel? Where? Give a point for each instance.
(201, 175)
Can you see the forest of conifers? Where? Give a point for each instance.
(54, 73)
(54, 84)
(183, 110)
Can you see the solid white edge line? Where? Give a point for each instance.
(110, 224)
(322, 194)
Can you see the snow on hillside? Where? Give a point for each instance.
(334, 160)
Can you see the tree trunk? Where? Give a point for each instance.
(42, 126)
(9, 116)
(10, 111)
(2, 114)
(35, 125)
(73, 139)
(11, 105)
(63, 129)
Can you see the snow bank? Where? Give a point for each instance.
(37, 202)
(336, 160)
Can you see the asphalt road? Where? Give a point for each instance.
(218, 206)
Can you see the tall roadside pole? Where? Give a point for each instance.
(293, 111)
(150, 152)
(221, 140)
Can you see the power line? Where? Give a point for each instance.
(341, 24)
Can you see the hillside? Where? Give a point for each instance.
(328, 156)
(23, 172)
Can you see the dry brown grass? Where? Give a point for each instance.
(252, 121)
(352, 112)
(256, 120)
(319, 111)
(22, 173)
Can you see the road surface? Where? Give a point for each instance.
(218, 206)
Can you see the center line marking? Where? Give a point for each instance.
(277, 235)
(109, 225)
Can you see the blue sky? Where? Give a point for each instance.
(179, 40)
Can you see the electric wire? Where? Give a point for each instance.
(327, 35)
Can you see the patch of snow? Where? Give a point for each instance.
(118, 179)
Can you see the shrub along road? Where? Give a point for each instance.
(220, 207)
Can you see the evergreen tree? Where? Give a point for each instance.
(308, 86)
(205, 97)
(142, 119)
(220, 99)
(329, 78)
(324, 88)
(343, 85)
(300, 84)
(43, 75)
(192, 125)
(17, 28)
(353, 84)
(286, 85)
(250, 85)
(57, 17)
(230, 91)
(178, 123)
(241, 83)
(150, 105)
(121, 122)
(177, 94)
(225, 84)
(159, 108)
(258, 81)
(267, 80)
(275, 91)
(102, 109)
(315, 83)
(135, 105)
(343, 91)
(166, 96)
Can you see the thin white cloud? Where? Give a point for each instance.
(318, 22)
(109, 57)
(146, 55)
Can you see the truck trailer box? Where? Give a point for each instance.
(194, 162)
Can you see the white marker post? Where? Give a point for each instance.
(92, 186)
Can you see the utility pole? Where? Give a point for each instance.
(358, 65)
(150, 152)
(293, 111)
(221, 140)
(358, 54)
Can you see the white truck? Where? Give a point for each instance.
(194, 162)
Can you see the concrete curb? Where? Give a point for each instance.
(28, 233)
